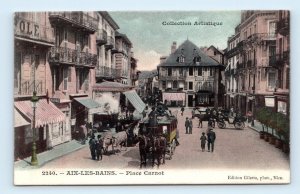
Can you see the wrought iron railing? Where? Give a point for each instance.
(77, 17)
(104, 71)
(27, 88)
(71, 56)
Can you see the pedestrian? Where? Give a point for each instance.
(191, 126)
(193, 113)
(99, 148)
(92, 144)
(250, 117)
(187, 125)
(211, 137)
(182, 110)
(203, 141)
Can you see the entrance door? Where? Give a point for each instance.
(190, 100)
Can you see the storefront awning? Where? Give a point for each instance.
(173, 96)
(19, 119)
(46, 112)
(135, 100)
(88, 102)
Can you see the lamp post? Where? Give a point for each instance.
(34, 100)
(34, 160)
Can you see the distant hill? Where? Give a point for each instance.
(147, 74)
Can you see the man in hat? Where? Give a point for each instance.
(187, 125)
(99, 148)
(211, 137)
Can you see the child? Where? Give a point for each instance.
(182, 109)
(203, 141)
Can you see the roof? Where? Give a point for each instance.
(189, 50)
(124, 37)
(216, 49)
(107, 86)
(109, 19)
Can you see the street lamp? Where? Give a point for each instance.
(34, 100)
(34, 160)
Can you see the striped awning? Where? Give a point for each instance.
(135, 100)
(174, 96)
(88, 102)
(19, 119)
(46, 112)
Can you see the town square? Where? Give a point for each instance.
(94, 91)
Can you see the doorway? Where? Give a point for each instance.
(190, 100)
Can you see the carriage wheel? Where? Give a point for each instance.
(221, 125)
(239, 125)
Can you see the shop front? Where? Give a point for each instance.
(174, 99)
(50, 124)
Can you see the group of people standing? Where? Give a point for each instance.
(96, 147)
(188, 125)
(210, 138)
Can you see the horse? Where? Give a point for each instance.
(143, 149)
(107, 141)
(120, 139)
(210, 116)
(158, 150)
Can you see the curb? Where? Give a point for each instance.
(16, 166)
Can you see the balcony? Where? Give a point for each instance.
(87, 59)
(233, 51)
(283, 26)
(70, 56)
(171, 78)
(110, 43)
(106, 72)
(101, 37)
(28, 29)
(266, 36)
(26, 88)
(79, 20)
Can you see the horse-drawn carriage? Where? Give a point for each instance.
(158, 139)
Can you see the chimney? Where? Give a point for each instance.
(162, 59)
(173, 47)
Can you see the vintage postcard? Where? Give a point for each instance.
(156, 97)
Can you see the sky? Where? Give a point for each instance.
(152, 39)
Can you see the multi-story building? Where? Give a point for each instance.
(232, 97)
(282, 63)
(133, 72)
(123, 58)
(72, 64)
(106, 49)
(255, 74)
(188, 77)
(34, 38)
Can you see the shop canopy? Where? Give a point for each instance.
(173, 96)
(46, 112)
(88, 102)
(135, 100)
(19, 119)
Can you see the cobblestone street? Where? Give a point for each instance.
(234, 149)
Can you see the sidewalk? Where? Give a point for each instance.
(56, 152)
(258, 127)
